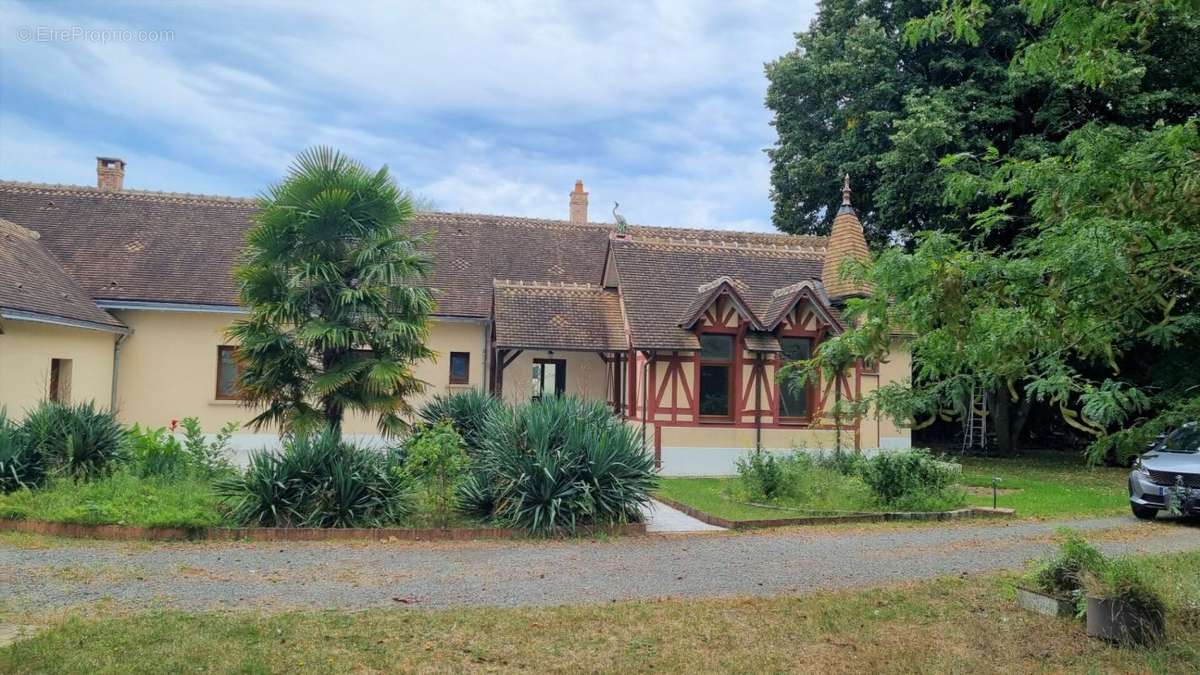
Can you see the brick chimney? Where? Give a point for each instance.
(846, 240)
(110, 174)
(579, 205)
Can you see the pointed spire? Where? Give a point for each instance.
(846, 240)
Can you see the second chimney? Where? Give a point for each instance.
(579, 205)
(110, 174)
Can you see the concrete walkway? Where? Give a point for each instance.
(662, 518)
(275, 576)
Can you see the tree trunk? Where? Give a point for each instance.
(1002, 423)
(1008, 423)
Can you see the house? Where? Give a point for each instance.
(124, 296)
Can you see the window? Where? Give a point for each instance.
(716, 376)
(229, 371)
(60, 380)
(792, 403)
(549, 378)
(460, 367)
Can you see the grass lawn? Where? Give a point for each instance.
(1037, 486)
(957, 625)
(1050, 485)
(122, 499)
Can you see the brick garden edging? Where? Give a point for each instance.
(957, 514)
(136, 533)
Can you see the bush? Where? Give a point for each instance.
(20, 465)
(122, 498)
(563, 462)
(434, 456)
(467, 411)
(155, 452)
(912, 480)
(840, 461)
(766, 476)
(1062, 575)
(80, 441)
(208, 458)
(1122, 579)
(318, 481)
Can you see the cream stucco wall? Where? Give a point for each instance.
(587, 375)
(26, 348)
(168, 368)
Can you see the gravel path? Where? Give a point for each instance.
(352, 576)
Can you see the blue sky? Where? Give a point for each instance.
(492, 107)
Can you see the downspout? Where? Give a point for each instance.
(487, 348)
(112, 405)
(645, 393)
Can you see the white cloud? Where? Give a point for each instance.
(493, 107)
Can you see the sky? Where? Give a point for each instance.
(483, 107)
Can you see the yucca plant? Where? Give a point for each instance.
(80, 441)
(20, 465)
(466, 410)
(317, 481)
(556, 464)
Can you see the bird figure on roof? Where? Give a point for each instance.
(620, 219)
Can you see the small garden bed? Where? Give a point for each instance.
(814, 488)
(475, 468)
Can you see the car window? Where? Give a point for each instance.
(1186, 440)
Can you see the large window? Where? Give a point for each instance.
(716, 376)
(460, 367)
(794, 404)
(229, 371)
(549, 378)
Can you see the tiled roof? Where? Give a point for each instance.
(180, 248)
(33, 282)
(558, 316)
(846, 240)
(762, 342)
(660, 278)
(707, 294)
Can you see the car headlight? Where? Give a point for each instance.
(1140, 468)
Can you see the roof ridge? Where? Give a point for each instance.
(639, 230)
(9, 227)
(557, 285)
(787, 290)
(137, 195)
(672, 242)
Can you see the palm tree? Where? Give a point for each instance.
(331, 277)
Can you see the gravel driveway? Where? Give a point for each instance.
(352, 576)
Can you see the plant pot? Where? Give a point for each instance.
(1041, 603)
(1116, 620)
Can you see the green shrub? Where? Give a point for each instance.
(840, 461)
(21, 466)
(912, 480)
(434, 456)
(155, 452)
(209, 458)
(563, 462)
(1062, 575)
(317, 481)
(766, 476)
(1123, 579)
(79, 441)
(122, 498)
(467, 411)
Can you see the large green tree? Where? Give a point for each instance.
(333, 281)
(1093, 308)
(859, 96)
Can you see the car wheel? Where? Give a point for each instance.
(1144, 512)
